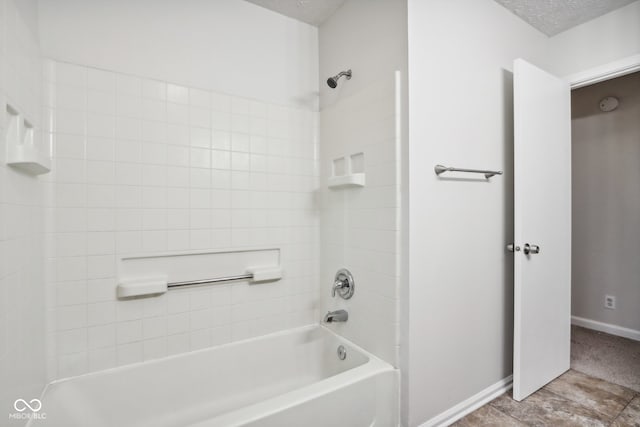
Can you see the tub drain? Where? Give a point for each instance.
(342, 352)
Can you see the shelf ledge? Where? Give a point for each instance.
(345, 181)
(29, 160)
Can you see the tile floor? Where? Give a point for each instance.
(580, 397)
(573, 399)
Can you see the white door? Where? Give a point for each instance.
(542, 208)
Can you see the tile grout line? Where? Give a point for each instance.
(637, 392)
(612, 419)
(637, 395)
(609, 420)
(504, 413)
(587, 407)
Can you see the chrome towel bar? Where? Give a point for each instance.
(253, 275)
(209, 281)
(439, 169)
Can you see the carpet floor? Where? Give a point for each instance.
(608, 357)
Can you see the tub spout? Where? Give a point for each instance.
(336, 316)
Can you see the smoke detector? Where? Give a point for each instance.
(609, 103)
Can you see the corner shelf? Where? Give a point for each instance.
(22, 153)
(347, 171)
(29, 160)
(344, 181)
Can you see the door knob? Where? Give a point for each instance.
(531, 249)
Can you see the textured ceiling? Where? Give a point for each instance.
(555, 16)
(312, 12)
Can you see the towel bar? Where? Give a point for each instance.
(208, 281)
(439, 169)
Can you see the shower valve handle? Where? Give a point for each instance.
(343, 284)
(338, 284)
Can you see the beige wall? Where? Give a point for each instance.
(606, 202)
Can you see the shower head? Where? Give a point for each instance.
(333, 81)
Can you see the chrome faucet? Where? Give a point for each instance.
(336, 316)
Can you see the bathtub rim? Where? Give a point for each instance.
(372, 359)
(275, 404)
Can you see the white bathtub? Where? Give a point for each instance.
(292, 378)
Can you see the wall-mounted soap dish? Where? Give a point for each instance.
(22, 152)
(352, 180)
(347, 171)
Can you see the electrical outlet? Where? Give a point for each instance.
(610, 302)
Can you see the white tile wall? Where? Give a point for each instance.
(360, 226)
(22, 290)
(145, 166)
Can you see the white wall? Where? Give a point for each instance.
(369, 37)
(146, 167)
(28, 10)
(461, 277)
(22, 290)
(229, 46)
(461, 300)
(608, 38)
(606, 202)
(361, 226)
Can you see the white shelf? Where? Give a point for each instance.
(345, 181)
(22, 152)
(28, 159)
(149, 286)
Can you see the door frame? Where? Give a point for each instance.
(601, 73)
(607, 71)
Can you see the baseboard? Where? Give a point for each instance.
(606, 327)
(471, 404)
